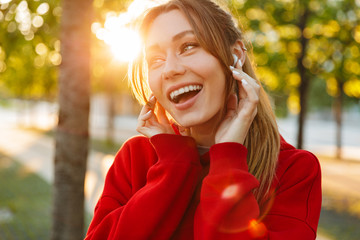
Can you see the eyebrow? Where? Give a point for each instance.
(182, 34)
(174, 38)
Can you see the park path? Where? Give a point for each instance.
(36, 151)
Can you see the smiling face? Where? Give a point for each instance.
(187, 80)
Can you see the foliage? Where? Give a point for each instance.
(333, 35)
(29, 48)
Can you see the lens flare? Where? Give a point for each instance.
(124, 43)
(257, 229)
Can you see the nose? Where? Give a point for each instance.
(173, 67)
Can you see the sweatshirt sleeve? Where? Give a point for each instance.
(229, 210)
(154, 210)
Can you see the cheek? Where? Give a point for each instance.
(156, 88)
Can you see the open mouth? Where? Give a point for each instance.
(185, 93)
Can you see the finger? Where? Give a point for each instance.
(148, 124)
(239, 64)
(144, 110)
(147, 113)
(146, 116)
(143, 118)
(231, 106)
(238, 74)
(152, 101)
(249, 104)
(184, 131)
(147, 107)
(251, 91)
(151, 106)
(241, 76)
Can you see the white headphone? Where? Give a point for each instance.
(236, 59)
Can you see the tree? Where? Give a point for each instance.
(299, 45)
(304, 13)
(332, 57)
(72, 135)
(336, 34)
(276, 30)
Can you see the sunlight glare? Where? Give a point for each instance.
(124, 42)
(4, 1)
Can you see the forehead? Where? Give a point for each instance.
(167, 25)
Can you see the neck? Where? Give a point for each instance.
(204, 134)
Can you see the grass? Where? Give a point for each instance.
(339, 225)
(99, 145)
(25, 203)
(340, 217)
(25, 198)
(104, 146)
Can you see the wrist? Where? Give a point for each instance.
(228, 155)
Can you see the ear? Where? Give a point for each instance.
(239, 50)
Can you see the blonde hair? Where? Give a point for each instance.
(217, 33)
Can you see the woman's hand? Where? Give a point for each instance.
(151, 123)
(239, 114)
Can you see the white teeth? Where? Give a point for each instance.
(182, 90)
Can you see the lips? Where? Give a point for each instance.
(184, 93)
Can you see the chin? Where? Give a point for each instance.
(196, 120)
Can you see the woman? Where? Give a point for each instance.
(211, 163)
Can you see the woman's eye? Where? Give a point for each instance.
(187, 46)
(155, 60)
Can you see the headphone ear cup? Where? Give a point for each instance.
(235, 59)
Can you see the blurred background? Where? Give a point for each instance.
(307, 55)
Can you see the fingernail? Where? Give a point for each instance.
(241, 63)
(152, 98)
(244, 82)
(235, 72)
(235, 59)
(231, 68)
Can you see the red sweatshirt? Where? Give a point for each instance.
(161, 188)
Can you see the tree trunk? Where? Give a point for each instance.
(72, 133)
(110, 131)
(338, 118)
(304, 84)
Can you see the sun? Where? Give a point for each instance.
(124, 42)
(125, 48)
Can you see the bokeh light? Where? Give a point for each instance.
(43, 8)
(230, 191)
